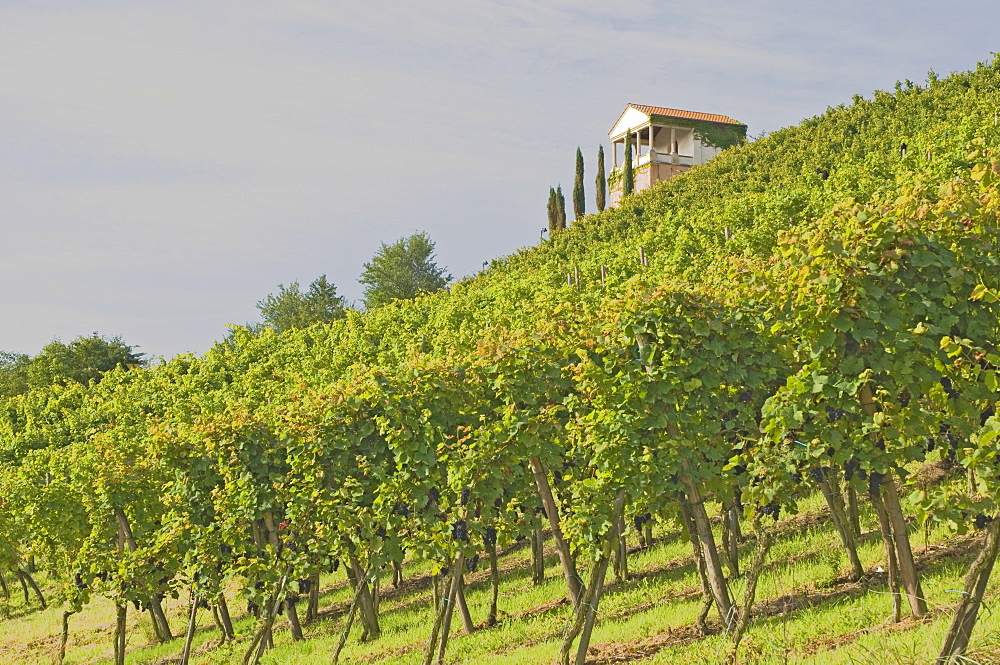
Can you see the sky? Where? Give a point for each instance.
(164, 165)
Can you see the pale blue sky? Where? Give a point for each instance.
(164, 165)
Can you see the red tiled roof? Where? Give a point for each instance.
(690, 115)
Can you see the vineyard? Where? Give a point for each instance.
(779, 346)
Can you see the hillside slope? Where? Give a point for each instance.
(816, 330)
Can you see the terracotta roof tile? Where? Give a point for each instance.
(690, 115)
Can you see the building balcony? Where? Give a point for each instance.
(656, 157)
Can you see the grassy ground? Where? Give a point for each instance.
(806, 612)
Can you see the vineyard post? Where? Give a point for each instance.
(621, 551)
(562, 547)
(586, 612)
(491, 618)
(295, 627)
(891, 564)
(26, 581)
(957, 638)
(119, 635)
(703, 528)
(890, 499)
(764, 544)
(835, 501)
(699, 559)
(312, 609)
(369, 614)
(160, 625)
(463, 607)
(189, 638)
(347, 625)
(730, 541)
(260, 639)
(456, 581)
(64, 636)
(907, 568)
(597, 585)
(227, 623)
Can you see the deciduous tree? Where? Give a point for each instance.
(402, 270)
(291, 308)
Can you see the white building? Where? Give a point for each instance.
(667, 142)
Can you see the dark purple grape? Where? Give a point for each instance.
(833, 415)
(948, 389)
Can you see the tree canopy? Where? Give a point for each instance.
(83, 360)
(291, 308)
(402, 270)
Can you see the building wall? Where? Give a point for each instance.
(683, 135)
(703, 153)
(667, 171)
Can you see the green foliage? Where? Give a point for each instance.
(560, 208)
(402, 270)
(14, 378)
(579, 199)
(553, 211)
(85, 359)
(600, 183)
(290, 308)
(628, 174)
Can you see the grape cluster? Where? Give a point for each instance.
(472, 563)
(772, 509)
(489, 536)
(874, 482)
(466, 493)
(460, 531)
(986, 414)
(640, 520)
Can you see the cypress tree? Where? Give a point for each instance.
(601, 182)
(552, 212)
(560, 208)
(628, 175)
(578, 197)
